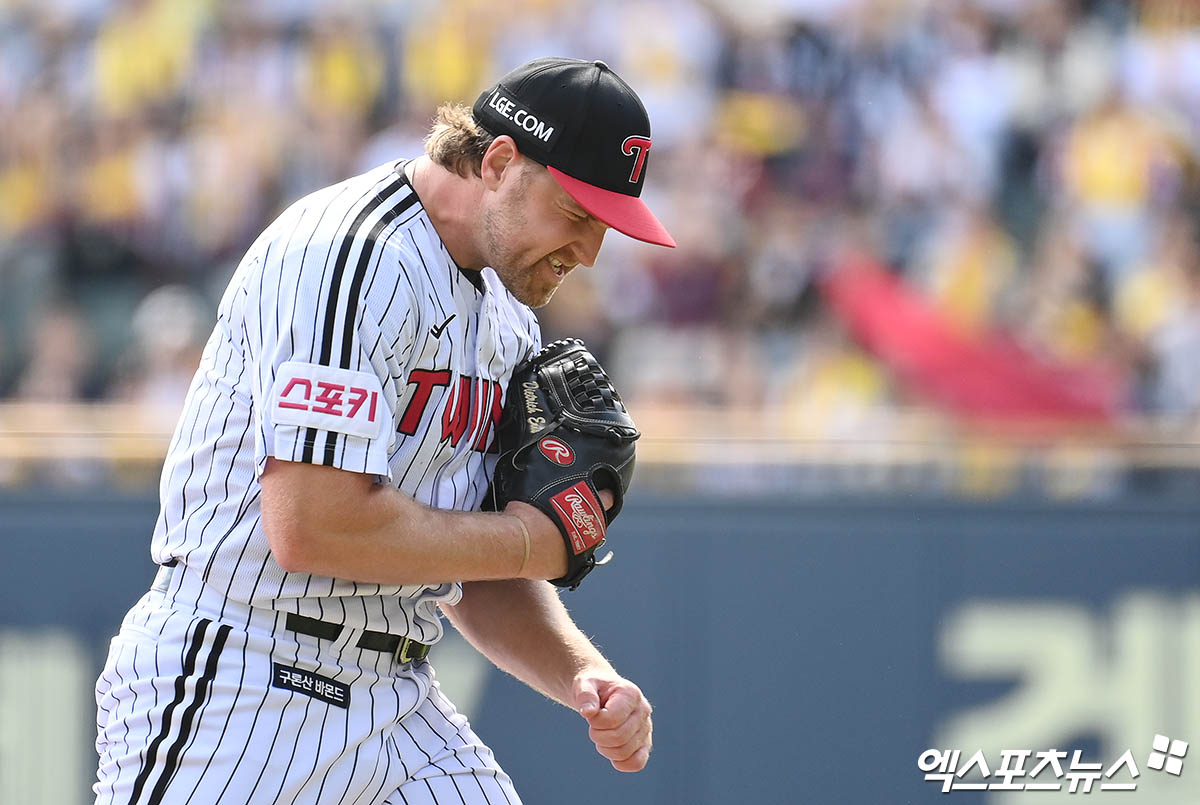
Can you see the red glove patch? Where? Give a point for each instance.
(581, 514)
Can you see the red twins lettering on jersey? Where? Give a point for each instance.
(310, 395)
(581, 514)
(465, 407)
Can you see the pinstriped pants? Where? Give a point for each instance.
(200, 708)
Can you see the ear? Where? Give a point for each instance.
(500, 156)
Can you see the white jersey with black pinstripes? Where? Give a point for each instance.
(347, 337)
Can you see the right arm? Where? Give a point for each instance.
(331, 522)
(341, 523)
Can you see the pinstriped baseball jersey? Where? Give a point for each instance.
(349, 338)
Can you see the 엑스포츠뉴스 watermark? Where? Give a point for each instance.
(1079, 776)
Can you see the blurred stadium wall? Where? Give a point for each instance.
(795, 649)
(920, 386)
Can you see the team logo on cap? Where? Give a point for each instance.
(638, 146)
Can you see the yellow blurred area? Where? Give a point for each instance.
(145, 51)
(1111, 155)
(108, 188)
(24, 196)
(446, 54)
(836, 384)
(1146, 300)
(971, 268)
(344, 74)
(759, 123)
(1078, 332)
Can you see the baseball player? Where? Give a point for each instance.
(319, 501)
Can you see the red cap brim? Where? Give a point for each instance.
(628, 215)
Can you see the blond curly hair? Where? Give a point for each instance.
(456, 142)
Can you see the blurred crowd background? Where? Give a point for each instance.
(1027, 169)
(928, 249)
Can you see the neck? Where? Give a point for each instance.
(452, 204)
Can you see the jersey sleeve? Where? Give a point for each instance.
(328, 356)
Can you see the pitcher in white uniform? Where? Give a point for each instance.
(320, 495)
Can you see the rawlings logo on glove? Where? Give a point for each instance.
(582, 516)
(557, 451)
(562, 402)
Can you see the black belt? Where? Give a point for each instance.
(402, 649)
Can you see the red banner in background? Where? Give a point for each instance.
(986, 374)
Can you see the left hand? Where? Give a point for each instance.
(618, 717)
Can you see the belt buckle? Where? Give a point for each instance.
(162, 579)
(401, 654)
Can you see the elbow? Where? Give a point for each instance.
(291, 555)
(308, 513)
(292, 544)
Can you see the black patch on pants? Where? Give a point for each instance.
(319, 687)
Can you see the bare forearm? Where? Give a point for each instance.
(523, 628)
(338, 524)
(395, 541)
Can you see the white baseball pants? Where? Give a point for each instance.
(214, 702)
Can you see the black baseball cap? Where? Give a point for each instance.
(580, 120)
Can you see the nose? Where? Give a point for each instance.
(587, 246)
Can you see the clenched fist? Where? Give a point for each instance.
(618, 717)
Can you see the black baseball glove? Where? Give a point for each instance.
(565, 435)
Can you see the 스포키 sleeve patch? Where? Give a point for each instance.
(315, 396)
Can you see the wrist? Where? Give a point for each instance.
(525, 538)
(547, 557)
